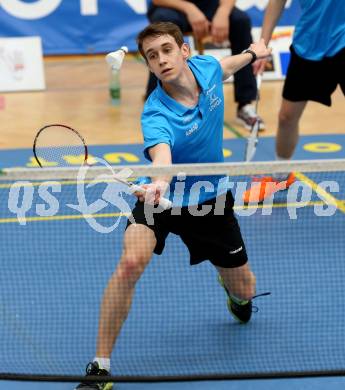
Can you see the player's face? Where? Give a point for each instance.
(165, 59)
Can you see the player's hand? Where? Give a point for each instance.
(220, 26)
(260, 49)
(153, 192)
(259, 66)
(198, 21)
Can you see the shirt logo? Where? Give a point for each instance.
(192, 130)
(215, 101)
(187, 118)
(210, 90)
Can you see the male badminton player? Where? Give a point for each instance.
(182, 122)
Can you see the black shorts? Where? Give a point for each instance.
(314, 80)
(215, 236)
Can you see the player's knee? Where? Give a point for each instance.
(132, 266)
(286, 118)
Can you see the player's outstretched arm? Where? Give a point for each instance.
(232, 64)
(160, 155)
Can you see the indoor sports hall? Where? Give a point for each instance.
(64, 209)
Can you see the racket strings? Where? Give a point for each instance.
(59, 145)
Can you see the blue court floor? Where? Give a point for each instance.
(50, 309)
(272, 384)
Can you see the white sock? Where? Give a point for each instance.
(279, 175)
(103, 363)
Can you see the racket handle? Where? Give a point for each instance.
(163, 202)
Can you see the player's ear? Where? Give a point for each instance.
(185, 49)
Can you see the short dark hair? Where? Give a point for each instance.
(158, 29)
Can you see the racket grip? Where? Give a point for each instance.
(163, 202)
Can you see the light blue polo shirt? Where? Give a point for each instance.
(320, 31)
(195, 135)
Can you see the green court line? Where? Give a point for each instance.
(113, 215)
(232, 130)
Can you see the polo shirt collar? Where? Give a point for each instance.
(171, 103)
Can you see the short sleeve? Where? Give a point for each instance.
(155, 129)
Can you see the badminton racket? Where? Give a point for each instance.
(58, 143)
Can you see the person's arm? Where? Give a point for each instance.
(272, 14)
(220, 21)
(198, 21)
(232, 64)
(160, 154)
(227, 5)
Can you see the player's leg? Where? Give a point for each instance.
(288, 127)
(305, 80)
(230, 258)
(216, 236)
(239, 284)
(139, 243)
(239, 281)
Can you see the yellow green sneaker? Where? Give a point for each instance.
(240, 310)
(93, 369)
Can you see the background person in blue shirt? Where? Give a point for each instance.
(223, 22)
(316, 68)
(182, 122)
